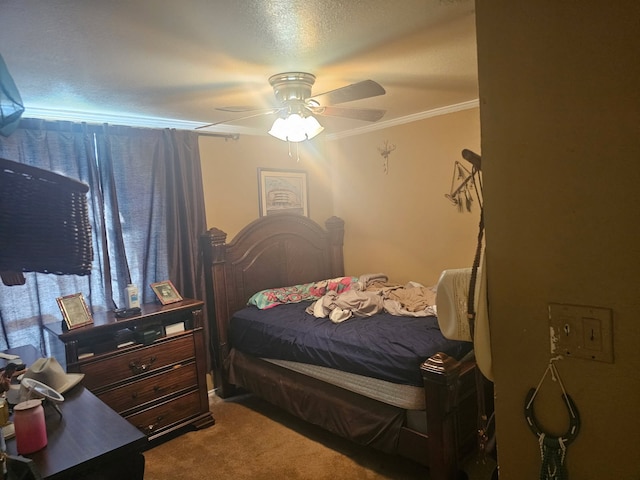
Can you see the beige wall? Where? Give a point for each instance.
(229, 170)
(400, 223)
(560, 141)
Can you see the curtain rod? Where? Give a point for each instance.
(75, 126)
(226, 136)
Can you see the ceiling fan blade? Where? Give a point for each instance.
(355, 91)
(366, 114)
(239, 108)
(265, 112)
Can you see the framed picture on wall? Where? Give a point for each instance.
(74, 310)
(282, 191)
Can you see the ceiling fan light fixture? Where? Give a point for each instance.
(293, 92)
(295, 128)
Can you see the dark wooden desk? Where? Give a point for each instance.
(89, 441)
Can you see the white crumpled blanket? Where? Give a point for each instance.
(373, 294)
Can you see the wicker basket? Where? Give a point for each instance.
(44, 221)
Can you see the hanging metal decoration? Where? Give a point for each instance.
(553, 450)
(385, 152)
(464, 181)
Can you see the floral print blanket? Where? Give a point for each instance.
(299, 293)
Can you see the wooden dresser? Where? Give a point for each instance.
(150, 368)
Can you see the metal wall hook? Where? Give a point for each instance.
(552, 449)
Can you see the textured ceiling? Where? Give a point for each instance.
(166, 59)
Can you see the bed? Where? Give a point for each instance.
(422, 403)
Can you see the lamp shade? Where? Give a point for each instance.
(295, 128)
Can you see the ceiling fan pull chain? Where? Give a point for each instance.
(297, 151)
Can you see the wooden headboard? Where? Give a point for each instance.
(272, 251)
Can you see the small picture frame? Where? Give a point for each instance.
(166, 292)
(282, 191)
(74, 311)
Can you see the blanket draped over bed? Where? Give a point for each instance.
(371, 294)
(285, 320)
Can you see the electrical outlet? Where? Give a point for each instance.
(581, 331)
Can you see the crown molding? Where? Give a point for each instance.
(103, 117)
(131, 121)
(406, 119)
(155, 122)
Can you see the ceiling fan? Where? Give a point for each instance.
(296, 122)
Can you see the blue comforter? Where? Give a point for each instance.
(383, 346)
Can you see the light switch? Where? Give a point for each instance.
(592, 334)
(581, 331)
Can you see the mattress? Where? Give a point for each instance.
(407, 397)
(384, 346)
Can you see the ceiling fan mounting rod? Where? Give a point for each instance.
(292, 87)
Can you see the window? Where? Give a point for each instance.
(146, 211)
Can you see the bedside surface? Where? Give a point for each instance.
(90, 435)
(107, 320)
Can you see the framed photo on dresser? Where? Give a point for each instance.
(74, 310)
(166, 292)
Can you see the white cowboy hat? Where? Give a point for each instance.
(50, 372)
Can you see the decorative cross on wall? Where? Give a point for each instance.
(385, 152)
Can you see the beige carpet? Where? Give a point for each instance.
(253, 440)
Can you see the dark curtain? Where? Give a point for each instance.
(186, 218)
(146, 210)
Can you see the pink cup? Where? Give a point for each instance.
(31, 430)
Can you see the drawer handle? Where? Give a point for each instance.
(152, 427)
(138, 367)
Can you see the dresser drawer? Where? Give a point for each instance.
(154, 387)
(128, 365)
(167, 414)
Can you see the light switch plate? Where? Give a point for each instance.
(581, 331)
